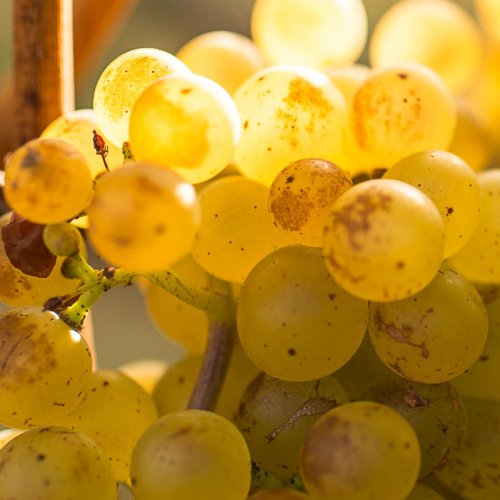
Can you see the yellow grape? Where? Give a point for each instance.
(114, 413)
(185, 122)
(47, 181)
(402, 110)
(316, 33)
(488, 12)
(294, 321)
(143, 217)
(300, 198)
(479, 259)
(145, 372)
(223, 56)
(383, 240)
(360, 450)
(453, 187)
(191, 454)
(236, 229)
(76, 127)
(45, 367)
(8, 434)
(288, 113)
(278, 494)
(54, 463)
(123, 81)
(437, 33)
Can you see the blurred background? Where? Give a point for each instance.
(122, 329)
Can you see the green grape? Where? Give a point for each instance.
(300, 198)
(278, 494)
(54, 463)
(479, 259)
(274, 417)
(191, 454)
(47, 181)
(45, 367)
(76, 127)
(433, 336)
(402, 110)
(360, 450)
(181, 322)
(185, 122)
(453, 187)
(143, 217)
(114, 413)
(422, 492)
(236, 229)
(383, 240)
(145, 372)
(294, 321)
(121, 84)
(223, 56)
(482, 380)
(437, 33)
(319, 34)
(473, 471)
(288, 113)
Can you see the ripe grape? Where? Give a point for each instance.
(294, 321)
(488, 12)
(145, 372)
(383, 240)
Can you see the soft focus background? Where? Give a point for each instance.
(122, 329)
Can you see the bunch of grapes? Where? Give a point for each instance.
(322, 238)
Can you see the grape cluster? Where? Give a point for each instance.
(325, 234)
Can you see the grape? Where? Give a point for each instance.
(143, 217)
(278, 494)
(185, 122)
(7, 435)
(319, 33)
(434, 336)
(383, 240)
(191, 454)
(422, 492)
(360, 450)
(236, 230)
(479, 259)
(348, 79)
(114, 413)
(76, 127)
(145, 372)
(45, 367)
(275, 416)
(47, 181)
(288, 113)
(294, 321)
(123, 81)
(488, 12)
(223, 56)
(402, 110)
(453, 187)
(300, 197)
(437, 33)
(54, 463)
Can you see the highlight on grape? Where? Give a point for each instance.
(322, 238)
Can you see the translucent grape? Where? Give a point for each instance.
(114, 413)
(191, 454)
(52, 463)
(45, 368)
(294, 321)
(275, 416)
(185, 122)
(288, 113)
(360, 450)
(76, 127)
(223, 56)
(236, 229)
(318, 34)
(143, 217)
(145, 372)
(437, 33)
(479, 259)
(123, 81)
(402, 110)
(453, 187)
(435, 335)
(383, 240)
(278, 494)
(47, 181)
(300, 198)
